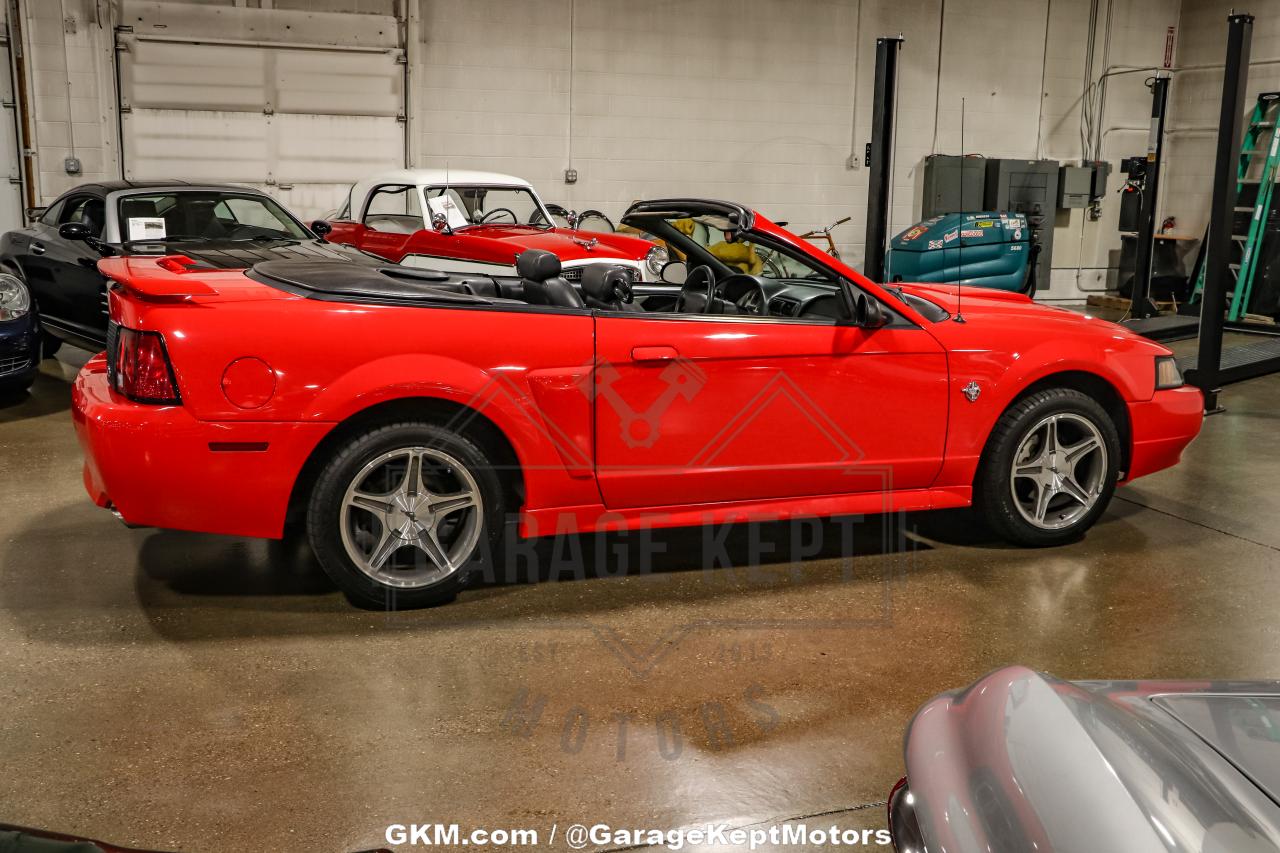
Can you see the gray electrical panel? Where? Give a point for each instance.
(1075, 186)
(953, 185)
(1029, 187)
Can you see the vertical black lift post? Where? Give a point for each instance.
(1141, 306)
(1143, 316)
(1215, 367)
(880, 155)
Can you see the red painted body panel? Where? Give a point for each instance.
(693, 419)
(765, 410)
(490, 244)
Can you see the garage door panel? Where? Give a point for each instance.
(314, 148)
(200, 146)
(330, 82)
(301, 121)
(163, 75)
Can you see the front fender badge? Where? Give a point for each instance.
(971, 391)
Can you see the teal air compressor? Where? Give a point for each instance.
(982, 249)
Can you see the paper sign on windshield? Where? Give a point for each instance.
(446, 205)
(146, 228)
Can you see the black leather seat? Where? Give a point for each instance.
(540, 279)
(93, 215)
(607, 287)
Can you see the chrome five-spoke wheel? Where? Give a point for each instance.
(411, 517)
(1059, 471)
(1049, 468)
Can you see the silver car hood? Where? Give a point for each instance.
(1021, 761)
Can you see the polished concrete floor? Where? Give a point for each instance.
(191, 692)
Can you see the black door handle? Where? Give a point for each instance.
(37, 248)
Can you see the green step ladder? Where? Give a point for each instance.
(1259, 162)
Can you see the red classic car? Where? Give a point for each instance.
(474, 222)
(402, 415)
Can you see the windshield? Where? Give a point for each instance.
(743, 253)
(471, 205)
(206, 215)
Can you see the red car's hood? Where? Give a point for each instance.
(976, 300)
(984, 309)
(565, 244)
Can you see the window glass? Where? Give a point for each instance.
(394, 209)
(205, 215)
(250, 211)
(487, 205)
(746, 255)
(50, 215)
(85, 209)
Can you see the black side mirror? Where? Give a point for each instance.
(868, 313)
(321, 228)
(74, 231)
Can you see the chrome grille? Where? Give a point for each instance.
(14, 364)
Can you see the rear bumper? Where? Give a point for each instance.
(158, 466)
(1162, 427)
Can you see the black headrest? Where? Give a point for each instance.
(537, 265)
(139, 207)
(606, 282)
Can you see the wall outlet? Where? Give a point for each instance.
(570, 176)
(71, 165)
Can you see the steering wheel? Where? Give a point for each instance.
(695, 293)
(737, 288)
(508, 211)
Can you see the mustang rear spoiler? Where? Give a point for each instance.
(166, 279)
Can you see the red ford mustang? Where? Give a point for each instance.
(403, 414)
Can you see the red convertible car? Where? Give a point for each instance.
(404, 415)
(474, 222)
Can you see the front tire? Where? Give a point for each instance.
(1049, 469)
(403, 514)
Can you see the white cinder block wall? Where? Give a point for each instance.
(762, 101)
(72, 89)
(1196, 100)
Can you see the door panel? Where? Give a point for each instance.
(700, 410)
(65, 281)
(383, 244)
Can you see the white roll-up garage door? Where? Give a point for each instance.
(11, 202)
(262, 97)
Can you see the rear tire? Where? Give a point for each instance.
(392, 540)
(1049, 469)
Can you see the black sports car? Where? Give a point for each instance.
(223, 227)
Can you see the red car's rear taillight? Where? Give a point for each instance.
(141, 369)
